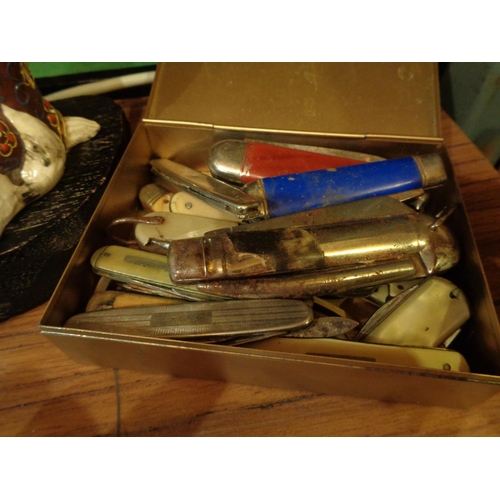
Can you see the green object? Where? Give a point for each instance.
(471, 95)
(51, 69)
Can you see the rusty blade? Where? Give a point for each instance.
(327, 327)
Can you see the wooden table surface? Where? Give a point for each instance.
(44, 393)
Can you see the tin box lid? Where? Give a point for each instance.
(360, 99)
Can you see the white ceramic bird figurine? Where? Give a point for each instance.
(34, 139)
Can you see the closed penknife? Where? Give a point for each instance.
(332, 247)
(173, 175)
(421, 357)
(426, 314)
(246, 161)
(142, 269)
(189, 204)
(288, 194)
(338, 282)
(199, 319)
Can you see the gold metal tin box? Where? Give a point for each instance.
(388, 109)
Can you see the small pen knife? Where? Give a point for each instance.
(424, 315)
(199, 319)
(213, 191)
(246, 161)
(141, 268)
(421, 357)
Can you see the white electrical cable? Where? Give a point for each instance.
(104, 86)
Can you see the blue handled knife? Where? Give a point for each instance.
(288, 194)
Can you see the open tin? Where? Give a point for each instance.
(386, 109)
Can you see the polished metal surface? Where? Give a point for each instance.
(244, 254)
(199, 319)
(213, 191)
(431, 169)
(226, 158)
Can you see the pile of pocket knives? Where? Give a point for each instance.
(288, 248)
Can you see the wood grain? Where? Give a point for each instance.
(44, 393)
